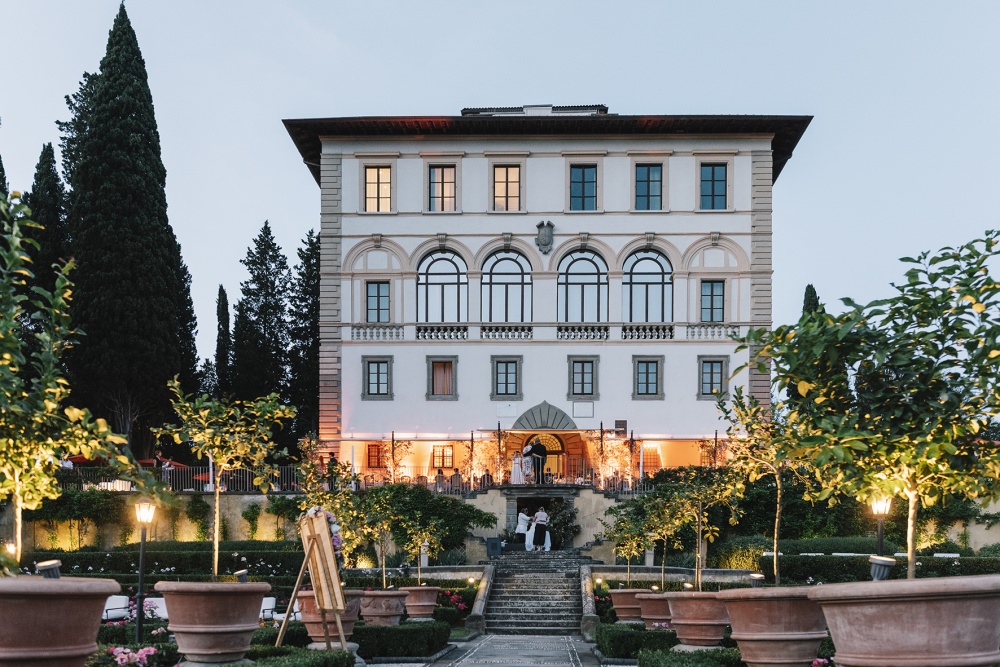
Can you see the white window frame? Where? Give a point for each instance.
(584, 159)
(661, 158)
(715, 157)
(364, 162)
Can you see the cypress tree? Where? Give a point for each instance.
(810, 301)
(4, 190)
(47, 201)
(304, 329)
(223, 345)
(260, 333)
(133, 290)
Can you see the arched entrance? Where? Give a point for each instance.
(558, 432)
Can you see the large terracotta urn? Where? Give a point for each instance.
(699, 619)
(382, 607)
(51, 622)
(627, 608)
(654, 608)
(421, 601)
(775, 626)
(314, 620)
(934, 622)
(213, 622)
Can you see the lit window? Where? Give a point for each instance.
(583, 187)
(713, 299)
(713, 187)
(443, 457)
(442, 189)
(648, 187)
(378, 190)
(377, 297)
(375, 458)
(506, 188)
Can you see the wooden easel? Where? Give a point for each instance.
(322, 563)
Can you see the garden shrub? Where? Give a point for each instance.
(166, 654)
(741, 553)
(837, 569)
(831, 545)
(404, 640)
(449, 615)
(304, 658)
(719, 657)
(198, 512)
(623, 641)
(295, 635)
(124, 634)
(948, 547)
(252, 516)
(990, 551)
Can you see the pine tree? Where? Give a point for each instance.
(3, 180)
(304, 356)
(260, 333)
(810, 301)
(209, 379)
(47, 201)
(223, 345)
(133, 289)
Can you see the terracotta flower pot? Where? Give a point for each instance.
(382, 607)
(626, 606)
(935, 622)
(51, 622)
(314, 621)
(654, 608)
(421, 600)
(775, 626)
(699, 619)
(213, 622)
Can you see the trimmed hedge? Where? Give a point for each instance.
(304, 658)
(838, 569)
(623, 641)
(404, 640)
(167, 563)
(719, 657)
(831, 545)
(124, 635)
(295, 636)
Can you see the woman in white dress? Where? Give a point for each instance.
(526, 467)
(522, 526)
(517, 471)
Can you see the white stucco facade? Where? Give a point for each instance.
(405, 359)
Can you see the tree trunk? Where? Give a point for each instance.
(18, 512)
(697, 553)
(777, 526)
(911, 534)
(216, 529)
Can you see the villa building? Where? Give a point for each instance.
(549, 274)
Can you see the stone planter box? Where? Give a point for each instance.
(51, 622)
(213, 622)
(626, 606)
(314, 620)
(775, 626)
(655, 608)
(382, 607)
(699, 619)
(420, 601)
(934, 622)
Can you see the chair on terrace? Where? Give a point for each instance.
(115, 608)
(296, 614)
(267, 608)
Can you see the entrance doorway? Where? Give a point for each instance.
(555, 459)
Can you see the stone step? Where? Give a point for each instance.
(493, 625)
(518, 605)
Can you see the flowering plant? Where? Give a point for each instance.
(338, 541)
(125, 656)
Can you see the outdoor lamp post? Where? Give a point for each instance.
(880, 508)
(144, 516)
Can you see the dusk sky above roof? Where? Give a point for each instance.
(900, 157)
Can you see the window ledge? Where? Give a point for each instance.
(647, 211)
(574, 212)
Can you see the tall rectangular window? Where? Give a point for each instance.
(441, 183)
(506, 188)
(506, 378)
(583, 378)
(377, 299)
(713, 300)
(378, 189)
(711, 377)
(376, 380)
(648, 187)
(443, 457)
(647, 378)
(583, 187)
(375, 459)
(441, 385)
(713, 187)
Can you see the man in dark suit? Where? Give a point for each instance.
(538, 453)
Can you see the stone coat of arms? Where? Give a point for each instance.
(544, 238)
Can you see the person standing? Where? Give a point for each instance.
(521, 531)
(516, 469)
(540, 524)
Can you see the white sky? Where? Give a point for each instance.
(900, 157)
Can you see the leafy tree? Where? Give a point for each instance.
(895, 393)
(304, 333)
(37, 428)
(380, 509)
(232, 435)
(260, 335)
(419, 531)
(627, 529)
(133, 290)
(331, 485)
(757, 449)
(223, 344)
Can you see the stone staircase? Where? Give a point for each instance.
(535, 593)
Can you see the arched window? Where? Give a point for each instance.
(647, 288)
(442, 288)
(506, 287)
(583, 288)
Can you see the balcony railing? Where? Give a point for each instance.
(582, 332)
(442, 332)
(377, 332)
(715, 331)
(598, 331)
(647, 331)
(506, 332)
